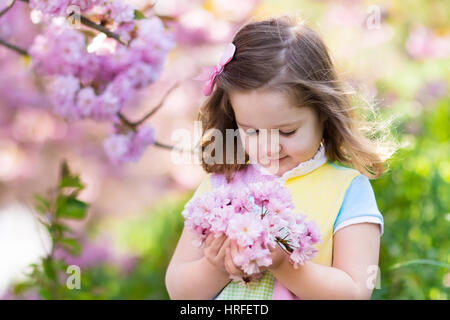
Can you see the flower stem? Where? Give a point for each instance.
(285, 243)
(99, 27)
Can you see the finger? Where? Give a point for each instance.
(225, 245)
(216, 244)
(239, 248)
(227, 262)
(234, 248)
(233, 269)
(233, 252)
(208, 240)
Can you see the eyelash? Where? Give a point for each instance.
(288, 133)
(281, 132)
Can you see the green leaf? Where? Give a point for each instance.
(49, 270)
(65, 171)
(62, 228)
(71, 182)
(69, 207)
(138, 15)
(45, 293)
(61, 265)
(20, 288)
(72, 245)
(42, 206)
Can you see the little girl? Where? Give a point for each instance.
(277, 74)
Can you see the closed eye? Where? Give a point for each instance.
(256, 131)
(287, 133)
(252, 131)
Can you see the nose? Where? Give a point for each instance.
(275, 152)
(270, 147)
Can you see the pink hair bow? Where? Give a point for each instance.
(209, 74)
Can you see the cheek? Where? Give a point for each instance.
(252, 146)
(249, 143)
(291, 147)
(298, 145)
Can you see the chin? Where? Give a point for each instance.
(279, 167)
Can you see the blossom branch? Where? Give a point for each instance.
(164, 146)
(7, 8)
(127, 122)
(98, 27)
(158, 106)
(135, 124)
(14, 47)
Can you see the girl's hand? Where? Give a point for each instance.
(278, 255)
(214, 250)
(231, 268)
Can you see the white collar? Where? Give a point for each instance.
(301, 169)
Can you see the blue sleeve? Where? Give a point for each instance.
(359, 205)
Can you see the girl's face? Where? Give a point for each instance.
(299, 129)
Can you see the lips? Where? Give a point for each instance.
(279, 159)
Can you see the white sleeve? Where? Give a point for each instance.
(359, 205)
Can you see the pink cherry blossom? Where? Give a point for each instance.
(86, 101)
(257, 216)
(63, 92)
(51, 7)
(116, 147)
(301, 255)
(95, 76)
(245, 228)
(128, 147)
(121, 11)
(313, 232)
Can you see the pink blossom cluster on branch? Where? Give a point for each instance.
(94, 76)
(129, 147)
(98, 84)
(258, 216)
(118, 10)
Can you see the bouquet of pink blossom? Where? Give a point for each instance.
(258, 216)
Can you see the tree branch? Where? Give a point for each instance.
(14, 47)
(127, 122)
(165, 146)
(135, 124)
(7, 8)
(158, 106)
(99, 27)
